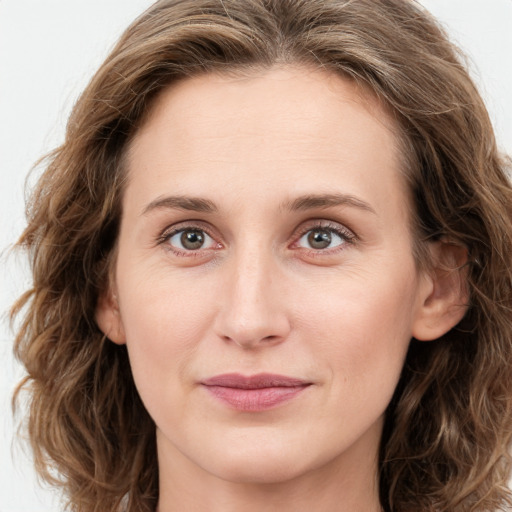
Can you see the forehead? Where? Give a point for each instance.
(285, 126)
(262, 96)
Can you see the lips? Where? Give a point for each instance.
(256, 392)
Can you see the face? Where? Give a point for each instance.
(265, 284)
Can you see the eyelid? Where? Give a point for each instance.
(347, 234)
(174, 229)
(344, 232)
(208, 240)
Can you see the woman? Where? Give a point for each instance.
(272, 270)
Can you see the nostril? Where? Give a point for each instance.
(252, 319)
(247, 341)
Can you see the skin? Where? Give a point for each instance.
(256, 297)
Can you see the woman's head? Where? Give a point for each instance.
(441, 187)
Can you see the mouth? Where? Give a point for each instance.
(256, 392)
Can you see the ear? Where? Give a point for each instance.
(445, 293)
(108, 317)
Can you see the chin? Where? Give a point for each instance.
(259, 471)
(262, 463)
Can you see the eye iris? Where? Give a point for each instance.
(192, 239)
(319, 239)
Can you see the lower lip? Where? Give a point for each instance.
(254, 400)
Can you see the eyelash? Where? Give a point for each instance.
(346, 235)
(167, 235)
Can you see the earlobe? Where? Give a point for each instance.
(445, 296)
(108, 317)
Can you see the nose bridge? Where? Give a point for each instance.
(252, 282)
(251, 310)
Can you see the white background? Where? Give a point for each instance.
(48, 51)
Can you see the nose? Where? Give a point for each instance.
(252, 305)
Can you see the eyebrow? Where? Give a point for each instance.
(194, 204)
(310, 202)
(302, 203)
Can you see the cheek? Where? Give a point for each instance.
(164, 319)
(168, 303)
(362, 325)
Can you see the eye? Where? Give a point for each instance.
(190, 239)
(321, 238)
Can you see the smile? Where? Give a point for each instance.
(254, 393)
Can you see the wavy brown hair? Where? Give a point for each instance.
(448, 428)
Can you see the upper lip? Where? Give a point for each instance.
(259, 381)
